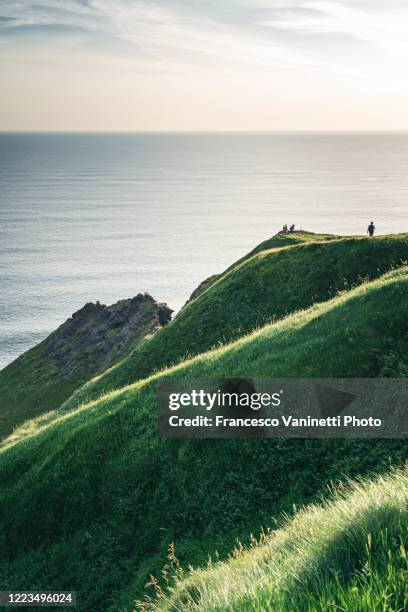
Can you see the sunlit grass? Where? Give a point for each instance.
(348, 553)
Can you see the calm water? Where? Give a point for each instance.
(87, 217)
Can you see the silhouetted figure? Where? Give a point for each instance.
(285, 229)
(292, 228)
(371, 229)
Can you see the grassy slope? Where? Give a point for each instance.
(266, 286)
(31, 386)
(278, 241)
(350, 553)
(92, 501)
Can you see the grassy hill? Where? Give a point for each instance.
(271, 283)
(277, 241)
(33, 383)
(350, 553)
(91, 501)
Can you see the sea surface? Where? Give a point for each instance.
(86, 217)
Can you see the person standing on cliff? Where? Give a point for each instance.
(371, 229)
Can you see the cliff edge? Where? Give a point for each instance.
(87, 344)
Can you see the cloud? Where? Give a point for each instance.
(215, 34)
(363, 21)
(173, 32)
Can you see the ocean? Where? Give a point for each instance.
(86, 217)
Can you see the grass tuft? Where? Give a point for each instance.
(348, 553)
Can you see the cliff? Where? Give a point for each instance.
(96, 336)
(88, 343)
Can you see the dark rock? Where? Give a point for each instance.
(97, 336)
(164, 314)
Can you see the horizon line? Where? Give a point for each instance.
(232, 131)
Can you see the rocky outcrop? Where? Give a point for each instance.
(97, 336)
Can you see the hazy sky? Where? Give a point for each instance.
(203, 64)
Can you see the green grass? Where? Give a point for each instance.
(30, 386)
(348, 554)
(91, 501)
(278, 241)
(271, 283)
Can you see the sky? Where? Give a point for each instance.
(203, 65)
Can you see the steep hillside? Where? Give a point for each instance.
(91, 502)
(350, 553)
(278, 241)
(95, 338)
(271, 284)
(88, 343)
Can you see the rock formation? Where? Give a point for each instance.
(96, 336)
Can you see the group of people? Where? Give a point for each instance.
(370, 229)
